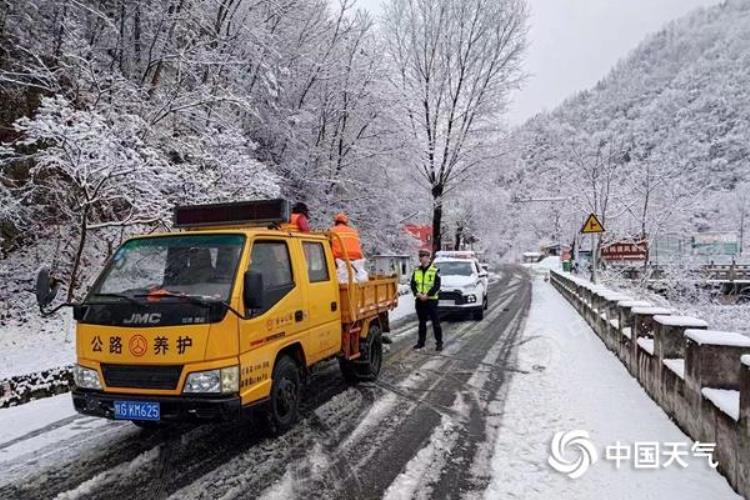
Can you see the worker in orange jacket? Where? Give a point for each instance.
(349, 239)
(300, 219)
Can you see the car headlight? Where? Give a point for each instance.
(86, 378)
(471, 299)
(224, 380)
(470, 288)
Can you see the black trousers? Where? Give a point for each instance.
(428, 310)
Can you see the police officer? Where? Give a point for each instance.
(425, 285)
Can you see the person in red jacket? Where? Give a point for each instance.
(300, 217)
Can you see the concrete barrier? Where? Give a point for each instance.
(700, 377)
(625, 349)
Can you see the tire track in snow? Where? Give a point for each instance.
(413, 403)
(233, 460)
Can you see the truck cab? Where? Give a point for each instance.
(207, 323)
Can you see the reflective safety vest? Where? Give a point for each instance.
(425, 280)
(350, 239)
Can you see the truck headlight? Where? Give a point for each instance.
(471, 299)
(470, 288)
(224, 380)
(86, 378)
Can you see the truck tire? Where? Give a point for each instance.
(486, 303)
(368, 366)
(372, 354)
(286, 392)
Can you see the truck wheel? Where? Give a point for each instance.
(372, 354)
(368, 366)
(486, 303)
(286, 390)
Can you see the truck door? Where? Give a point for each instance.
(323, 297)
(283, 313)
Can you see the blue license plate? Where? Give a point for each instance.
(137, 410)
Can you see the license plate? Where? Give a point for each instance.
(446, 303)
(137, 410)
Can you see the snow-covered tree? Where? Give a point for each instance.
(91, 171)
(453, 62)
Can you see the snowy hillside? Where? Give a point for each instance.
(659, 145)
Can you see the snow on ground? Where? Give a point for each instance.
(21, 420)
(23, 428)
(37, 345)
(405, 308)
(575, 383)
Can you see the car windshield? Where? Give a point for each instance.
(194, 265)
(454, 268)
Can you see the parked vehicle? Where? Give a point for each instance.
(463, 286)
(222, 316)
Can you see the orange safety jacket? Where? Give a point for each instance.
(300, 221)
(350, 239)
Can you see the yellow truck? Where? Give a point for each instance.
(226, 314)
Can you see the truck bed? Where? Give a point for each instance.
(364, 300)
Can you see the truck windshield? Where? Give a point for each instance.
(193, 265)
(454, 268)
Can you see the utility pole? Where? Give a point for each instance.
(742, 229)
(594, 256)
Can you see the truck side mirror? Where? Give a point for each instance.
(46, 288)
(483, 274)
(253, 290)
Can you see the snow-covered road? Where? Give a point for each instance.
(475, 420)
(575, 383)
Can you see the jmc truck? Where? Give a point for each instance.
(226, 314)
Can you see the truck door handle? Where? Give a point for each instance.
(334, 306)
(298, 316)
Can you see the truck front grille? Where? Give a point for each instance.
(142, 377)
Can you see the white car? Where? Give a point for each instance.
(463, 286)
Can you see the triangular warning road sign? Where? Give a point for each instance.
(592, 225)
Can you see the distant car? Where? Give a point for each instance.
(463, 286)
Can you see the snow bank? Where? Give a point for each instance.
(677, 365)
(24, 388)
(682, 321)
(404, 308)
(635, 303)
(37, 344)
(653, 311)
(726, 400)
(713, 337)
(613, 296)
(21, 420)
(646, 344)
(583, 387)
